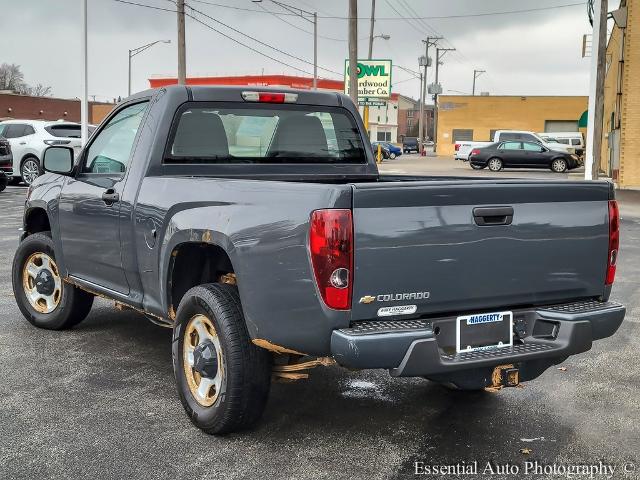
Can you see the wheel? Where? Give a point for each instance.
(392, 155)
(495, 164)
(3, 182)
(477, 167)
(30, 170)
(559, 165)
(14, 180)
(43, 298)
(223, 379)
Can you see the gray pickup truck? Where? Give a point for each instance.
(254, 223)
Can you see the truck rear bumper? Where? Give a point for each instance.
(423, 347)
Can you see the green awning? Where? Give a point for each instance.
(582, 123)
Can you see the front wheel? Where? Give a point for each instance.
(223, 379)
(559, 165)
(30, 170)
(392, 155)
(495, 164)
(43, 298)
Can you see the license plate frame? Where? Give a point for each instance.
(491, 330)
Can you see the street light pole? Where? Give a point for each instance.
(182, 49)
(440, 53)
(136, 51)
(353, 51)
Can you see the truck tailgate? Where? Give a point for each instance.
(419, 243)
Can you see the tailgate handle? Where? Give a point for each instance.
(487, 216)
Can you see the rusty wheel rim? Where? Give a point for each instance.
(204, 390)
(42, 283)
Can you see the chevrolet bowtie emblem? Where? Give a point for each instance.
(367, 299)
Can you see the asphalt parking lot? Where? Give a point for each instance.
(99, 401)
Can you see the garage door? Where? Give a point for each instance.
(561, 126)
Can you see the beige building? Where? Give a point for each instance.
(466, 117)
(620, 155)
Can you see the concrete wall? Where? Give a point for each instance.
(485, 113)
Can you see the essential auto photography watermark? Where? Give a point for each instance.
(488, 469)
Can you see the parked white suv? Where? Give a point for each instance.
(29, 138)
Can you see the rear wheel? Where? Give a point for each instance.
(495, 164)
(223, 379)
(3, 182)
(559, 165)
(43, 298)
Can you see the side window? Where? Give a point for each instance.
(528, 137)
(511, 146)
(110, 150)
(28, 130)
(532, 147)
(575, 141)
(509, 136)
(14, 130)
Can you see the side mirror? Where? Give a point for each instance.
(58, 160)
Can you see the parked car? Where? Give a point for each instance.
(392, 150)
(575, 139)
(298, 253)
(6, 157)
(410, 144)
(463, 148)
(521, 155)
(29, 138)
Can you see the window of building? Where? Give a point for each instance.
(409, 113)
(384, 136)
(409, 122)
(462, 135)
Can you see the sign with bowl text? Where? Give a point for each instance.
(374, 78)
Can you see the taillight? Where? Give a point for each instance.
(475, 151)
(331, 245)
(457, 146)
(614, 241)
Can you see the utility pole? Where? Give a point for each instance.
(365, 111)
(84, 101)
(315, 50)
(596, 90)
(423, 123)
(476, 74)
(353, 51)
(440, 53)
(182, 52)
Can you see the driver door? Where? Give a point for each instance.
(90, 203)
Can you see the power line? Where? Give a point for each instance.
(228, 36)
(434, 17)
(260, 41)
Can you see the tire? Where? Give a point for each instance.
(495, 164)
(477, 167)
(240, 393)
(3, 182)
(392, 156)
(559, 165)
(70, 304)
(14, 180)
(30, 170)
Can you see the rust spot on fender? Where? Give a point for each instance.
(267, 345)
(206, 236)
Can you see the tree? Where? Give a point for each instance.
(12, 78)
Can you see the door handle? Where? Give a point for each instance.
(110, 196)
(488, 216)
(23, 143)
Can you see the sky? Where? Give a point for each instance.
(528, 53)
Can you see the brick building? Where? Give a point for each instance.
(621, 129)
(25, 107)
(466, 117)
(409, 118)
